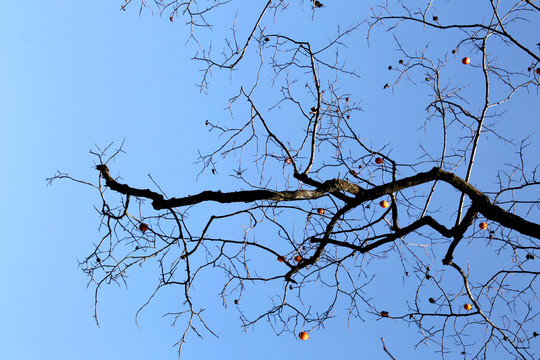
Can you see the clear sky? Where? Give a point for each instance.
(76, 74)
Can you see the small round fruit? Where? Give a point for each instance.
(379, 160)
(466, 60)
(281, 258)
(538, 71)
(303, 335)
(467, 307)
(320, 211)
(288, 160)
(236, 301)
(297, 258)
(384, 204)
(143, 227)
(483, 225)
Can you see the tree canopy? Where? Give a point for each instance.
(312, 208)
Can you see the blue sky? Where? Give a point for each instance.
(79, 74)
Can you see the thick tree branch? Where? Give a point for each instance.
(480, 201)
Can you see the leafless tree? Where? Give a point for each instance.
(337, 205)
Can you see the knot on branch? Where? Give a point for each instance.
(102, 168)
(159, 203)
(335, 185)
(104, 171)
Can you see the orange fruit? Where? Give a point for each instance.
(483, 225)
(466, 60)
(320, 211)
(467, 307)
(297, 258)
(384, 204)
(303, 335)
(379, 160)
(281, 258)
(143, 227)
